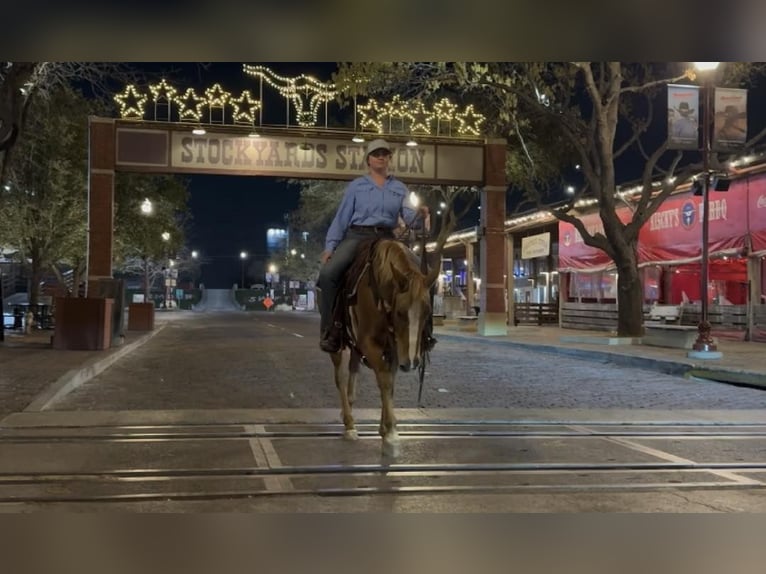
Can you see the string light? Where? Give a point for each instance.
(370, 116)
(305, 95)
(244, 108)
(469, 121)
(163, 92)
(131, 103)
(190, 106)
(421, 119)
(217, 96)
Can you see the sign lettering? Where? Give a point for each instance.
(285, 155)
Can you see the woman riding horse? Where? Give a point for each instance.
(371, 207)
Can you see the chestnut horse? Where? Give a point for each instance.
(385, 326)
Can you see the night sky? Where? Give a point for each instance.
(230, 215)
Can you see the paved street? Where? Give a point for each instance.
(272, 360)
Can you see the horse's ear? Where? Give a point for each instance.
(401, 279)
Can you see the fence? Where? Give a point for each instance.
(723, 318)
(536, 313)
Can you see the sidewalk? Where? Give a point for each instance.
(29, 366)
(742, 362)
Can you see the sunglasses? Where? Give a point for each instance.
(380, 153)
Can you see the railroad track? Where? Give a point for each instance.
(220, 461)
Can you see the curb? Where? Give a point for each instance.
(677, 368)
(70, 380)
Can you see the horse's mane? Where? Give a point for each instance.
(390, 255)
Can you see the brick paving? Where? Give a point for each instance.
(271, 360)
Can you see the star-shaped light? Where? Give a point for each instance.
(131, 103)
(421, 119)
(444, 110)
(163, 92)
(470, 121)
(217, 96)
(396, 109)
(244, 108)
(190, 106)
(370, 116)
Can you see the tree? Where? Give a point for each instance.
(44, 199)
(139, 245)
(558, 114)
(23, 83)
(319, 200)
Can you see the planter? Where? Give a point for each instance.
(83, 323)
(141, 317)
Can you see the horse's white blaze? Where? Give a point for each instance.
(414, 321)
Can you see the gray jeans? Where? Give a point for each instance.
(331, 274)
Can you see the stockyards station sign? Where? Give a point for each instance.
(286, 156)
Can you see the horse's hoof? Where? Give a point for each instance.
(390, 447)
(351, 434)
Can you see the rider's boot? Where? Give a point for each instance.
(331, 338)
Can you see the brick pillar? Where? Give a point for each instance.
(100, 201)
(492, 319)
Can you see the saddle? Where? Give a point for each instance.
(347, 295)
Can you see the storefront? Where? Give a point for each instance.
(669, 251)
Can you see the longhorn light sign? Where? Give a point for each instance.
(290, 156)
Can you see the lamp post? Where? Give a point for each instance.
(242, 257)
(704, 343)
(166, 273)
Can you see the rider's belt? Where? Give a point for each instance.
(371, 228)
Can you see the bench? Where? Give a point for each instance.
(438, 319)
(467, 322)
(674, 336)
(665, 313)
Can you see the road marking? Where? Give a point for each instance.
(661, 454)
(266, 457)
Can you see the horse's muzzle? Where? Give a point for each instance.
(408, 365)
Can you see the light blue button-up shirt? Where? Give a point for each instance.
(365, 203)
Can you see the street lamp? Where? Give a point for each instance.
(166, 273)
(242, 257)
(146, 207)
(704, 345)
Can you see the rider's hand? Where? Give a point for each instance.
(325, 257)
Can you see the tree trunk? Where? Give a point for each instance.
(34, 284)
(630, 302)
(146, 280)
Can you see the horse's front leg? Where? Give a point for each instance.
(354, 363)
(385, 378)
(343, 382)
